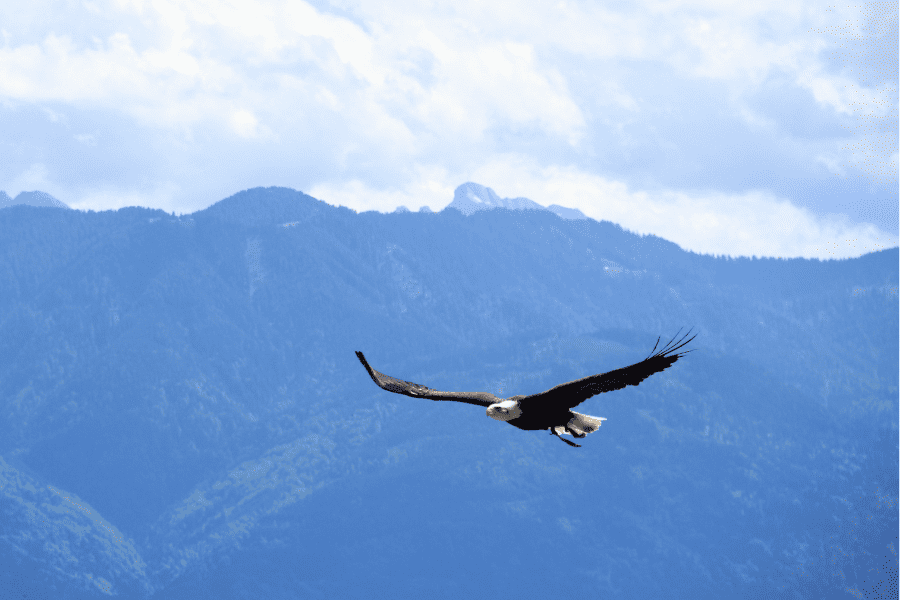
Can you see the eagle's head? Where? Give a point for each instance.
(505, 411)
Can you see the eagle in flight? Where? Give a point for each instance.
(551, 409)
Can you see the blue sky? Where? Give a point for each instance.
(766, 128)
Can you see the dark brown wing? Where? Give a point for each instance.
(573, 393)
(407, 388)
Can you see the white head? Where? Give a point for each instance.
(504, 411)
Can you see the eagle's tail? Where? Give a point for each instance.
(578, 426)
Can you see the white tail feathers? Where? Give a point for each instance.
(580, 425)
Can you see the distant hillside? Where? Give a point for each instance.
(183, 414)
(31, 199)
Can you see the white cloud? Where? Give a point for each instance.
(34, 178)
(205, 52)
(98, 197)
(107, 197)
(244, 123)
(430, 187)
(88, 139)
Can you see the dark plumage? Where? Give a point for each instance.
(551, 409)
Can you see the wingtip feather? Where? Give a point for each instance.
(673, 345)
(369, 369)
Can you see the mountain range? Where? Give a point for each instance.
(183, 414)
(468, 198)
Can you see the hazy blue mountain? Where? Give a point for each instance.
(566, 213)
(183, 414)
(31, 199)
(472, 197)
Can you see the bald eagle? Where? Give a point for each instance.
(550, 409)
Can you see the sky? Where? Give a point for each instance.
(764, 128)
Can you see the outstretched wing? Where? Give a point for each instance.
(407, 388)
(573, 393)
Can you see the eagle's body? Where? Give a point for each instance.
(551, 409)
